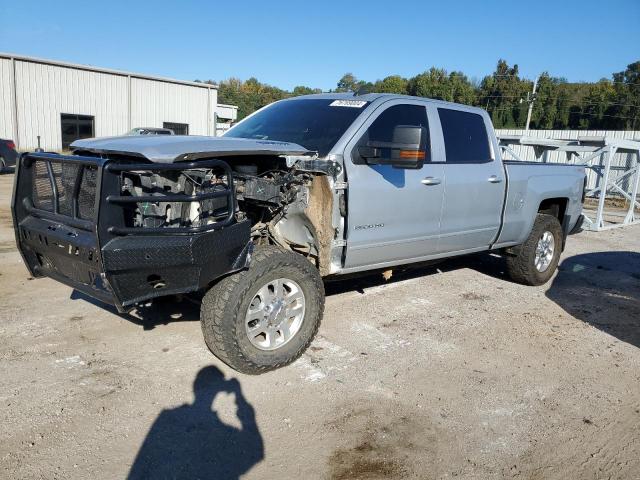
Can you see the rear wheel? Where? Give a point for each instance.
(535, 261)
(3, 164)
(265, 317)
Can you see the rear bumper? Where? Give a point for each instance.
(119, 269)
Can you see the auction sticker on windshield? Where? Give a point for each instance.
(348, 103)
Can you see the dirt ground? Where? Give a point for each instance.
(449, 371)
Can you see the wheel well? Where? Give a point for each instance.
(554, 206)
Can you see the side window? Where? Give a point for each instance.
(381, 130)
(465, 136)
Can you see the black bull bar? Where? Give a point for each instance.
(70, 225)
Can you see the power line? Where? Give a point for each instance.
(501, 96)
(560, 98)
(502, 75)
(610, 104)
(506, 109)
(621, 83)
(602, 115)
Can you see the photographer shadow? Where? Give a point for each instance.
(191, 441)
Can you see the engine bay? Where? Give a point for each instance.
(263, 191)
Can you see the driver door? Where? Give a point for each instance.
(393, 214)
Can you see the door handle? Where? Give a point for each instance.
(430, 181)
(494, 179)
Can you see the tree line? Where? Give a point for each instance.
(608, 104)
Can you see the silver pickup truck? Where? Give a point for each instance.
(307, 188)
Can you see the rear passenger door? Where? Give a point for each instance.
(474, 181)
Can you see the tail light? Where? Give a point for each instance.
(11, 145)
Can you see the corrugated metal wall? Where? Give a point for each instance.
(153, 103)
(7, 126)
(621, 161)
(44, 91)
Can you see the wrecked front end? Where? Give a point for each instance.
(124, 230)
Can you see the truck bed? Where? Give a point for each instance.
(527, 183)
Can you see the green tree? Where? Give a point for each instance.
(432, 83)
(391, 84)
(571, 97)
(503, 94)
(598, 107)
(606, 104)
(462, 90)
(545, 106)
(627, 97)
(302, 90)
(348, 83)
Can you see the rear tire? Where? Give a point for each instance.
(535, 261)
(3, 164)
(247, 301)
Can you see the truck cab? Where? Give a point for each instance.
(448, 203)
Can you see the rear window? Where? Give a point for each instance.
(465, 136)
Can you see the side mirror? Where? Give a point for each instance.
(408, 148)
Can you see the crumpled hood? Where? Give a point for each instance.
(175, 148)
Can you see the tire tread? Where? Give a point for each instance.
(520, 266)
(218, 308)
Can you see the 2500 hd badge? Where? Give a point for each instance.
(367, 227)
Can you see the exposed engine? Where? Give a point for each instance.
(262, 195)
(174, 214)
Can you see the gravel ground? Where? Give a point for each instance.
(450, 371)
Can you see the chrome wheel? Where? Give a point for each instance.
(544, 251)
(275, 314)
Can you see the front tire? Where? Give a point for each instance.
(535, 261)
(265, 317)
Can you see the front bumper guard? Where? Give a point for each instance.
(111, 261)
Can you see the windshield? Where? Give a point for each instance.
(316, 124)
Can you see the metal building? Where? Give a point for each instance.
(61, 102)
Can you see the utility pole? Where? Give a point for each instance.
(531, 99)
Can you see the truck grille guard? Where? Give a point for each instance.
(70, 224)
(228, 193)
